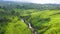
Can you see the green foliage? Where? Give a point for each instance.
(17, 27)
(10, 23)
(46, 22)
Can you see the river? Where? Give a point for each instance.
(30, 27)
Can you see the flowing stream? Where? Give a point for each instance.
(29, 25)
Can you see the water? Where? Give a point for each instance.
(29, 25)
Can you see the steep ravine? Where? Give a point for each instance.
(29, 25)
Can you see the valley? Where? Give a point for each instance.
(29, 18)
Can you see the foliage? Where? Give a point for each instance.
(45, 18)
(46, 22)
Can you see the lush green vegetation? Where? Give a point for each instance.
(44, 18)
(46, 22)
(10, 23)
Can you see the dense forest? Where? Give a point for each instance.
(29, 18)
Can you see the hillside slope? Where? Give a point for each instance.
(46, 22)
(12, 24)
